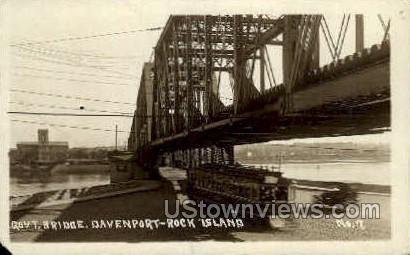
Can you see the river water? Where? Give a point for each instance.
(350, 172)
(55, 181)
(361, 172)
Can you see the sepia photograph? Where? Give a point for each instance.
(148, 123)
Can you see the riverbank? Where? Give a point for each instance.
(67, 196)
(99, 213)
(46, 198)
(86, 168)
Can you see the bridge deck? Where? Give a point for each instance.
(347, 98)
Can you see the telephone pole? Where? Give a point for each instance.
(116, 136)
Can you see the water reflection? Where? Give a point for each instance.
(35, 181)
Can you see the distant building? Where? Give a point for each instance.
(42, 151)
(13, 156)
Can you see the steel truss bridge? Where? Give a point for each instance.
(181, 113)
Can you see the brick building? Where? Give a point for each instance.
(42, 151)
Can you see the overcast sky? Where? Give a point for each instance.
(106, 67)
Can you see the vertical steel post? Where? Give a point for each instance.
(290, 37)
(176, 77)
(212, 154)
(237, 61)
(289, 45)
(230, 154)
(116, 136)
(208, 69)
(359, 32)
(315, 59)
(165, 74)
(156, 99)
(135, 130)
(188, 60)
(262, 68)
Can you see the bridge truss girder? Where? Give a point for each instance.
(186, 105)
(189, 58)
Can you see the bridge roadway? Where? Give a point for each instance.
(347, 98)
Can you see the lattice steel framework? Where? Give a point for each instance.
(180, 91)
(190, 56)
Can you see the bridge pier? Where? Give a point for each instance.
(126, 166)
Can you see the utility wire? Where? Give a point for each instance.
(75, 59)
(70, 114)
(78, 61)
(53, 50)
(67, 126)
(68, 97)
(62, 114)
(72, 80)
(70, 73)
(86, 37)
(64, 107)
(36, 58)
(72, 58)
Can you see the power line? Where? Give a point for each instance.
(68, 97)
(86, 37)
(77, 114)
(51, 50)
(70, 114)
(67, 126)
(70, 73)
(69, 59)
(51, 54)
(64, 107)
(72, 80)
(77, 64)
(36, 58)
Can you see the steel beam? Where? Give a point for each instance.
(359, 32)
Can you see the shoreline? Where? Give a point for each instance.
(72, 195)
(150, 205)
(62, 196)
(319, 161)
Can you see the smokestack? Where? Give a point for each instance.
(43, 136)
